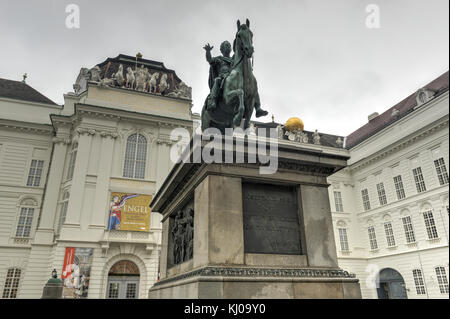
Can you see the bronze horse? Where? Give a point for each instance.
(240, 90)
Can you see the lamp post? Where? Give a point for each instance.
(53, 288)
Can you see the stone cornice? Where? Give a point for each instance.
(43, 129)
(399, 145)
(59, 121)
(91, 132)
(105, 112)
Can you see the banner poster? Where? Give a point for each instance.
(76, 272)
(129, 212)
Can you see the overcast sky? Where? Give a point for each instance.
(314, 59)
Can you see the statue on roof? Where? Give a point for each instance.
(94, 74)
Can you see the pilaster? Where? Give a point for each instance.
(103, 175)
(79, 177)
(45, 231)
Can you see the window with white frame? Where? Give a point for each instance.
(419, 282)
(418, 178)
(365, 199)
(12, 281)
(442, 279)
(34, 175)
(338, 201)
(25, 222)
(399, 189)
(441, 171)
(389, 234)
(63, 211)
(372, 238)
(430, 225)
(381, 194)
(343, 238)
(135, 156)
(409, 230)
(73, 158)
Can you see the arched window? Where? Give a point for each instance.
(11, 283)
(135, 156)
(73, 158)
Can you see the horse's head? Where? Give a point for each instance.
(244, 39)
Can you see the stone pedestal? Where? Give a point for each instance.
(254, 235)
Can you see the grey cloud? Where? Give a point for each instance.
(313, 59)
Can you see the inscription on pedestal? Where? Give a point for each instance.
(271, 224)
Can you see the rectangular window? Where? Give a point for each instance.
(338, 202)
(430, 225)
(441, 171)
(442, 279)
(419, 282)
(11, 283)
(372, 238)
(113, 290)
(343, 239)
(63, 214)
(131, 291)
(389, 234)
(365, 199)
(409, 230)
(25, 222)
(73, 158)
(418, 178)
(34, 175)
(399, 187)
(381, 194)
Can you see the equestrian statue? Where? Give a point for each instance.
(234, 91)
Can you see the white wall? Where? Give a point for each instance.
(416, 140)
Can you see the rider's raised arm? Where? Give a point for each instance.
(209, 58)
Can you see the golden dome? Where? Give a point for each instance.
(294, 123)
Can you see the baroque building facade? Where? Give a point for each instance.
(63, 168)
(66, 170)
(390, 205)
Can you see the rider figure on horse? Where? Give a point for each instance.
(219, 70)
(234, 89)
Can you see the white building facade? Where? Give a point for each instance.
(60, 165)
(390, 205)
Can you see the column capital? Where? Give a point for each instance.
(87, 131)
(112, 135)
(61, 140)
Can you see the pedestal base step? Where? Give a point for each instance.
(263, 283)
